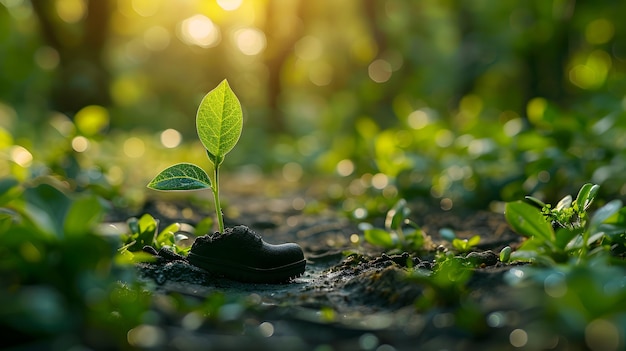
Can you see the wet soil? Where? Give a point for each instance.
(352, 296)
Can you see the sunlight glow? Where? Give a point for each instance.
(134, 147)
(591, 74)
(21, 156)
(199, 30)
(250, 41)
(354, 238)
(518, 338)
(380, 181)
(418, 119)
(171, 138)
(229, 5)
(70, 11)
(345, 167)
(145, 8)
(379, 71)
(80, 144)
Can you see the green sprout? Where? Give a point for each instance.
(567, 230)
(219, 121)
(145, 231)
(461, 245)
(399, 233)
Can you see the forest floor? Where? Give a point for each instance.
(352, 296)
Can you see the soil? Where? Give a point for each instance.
(352, 296)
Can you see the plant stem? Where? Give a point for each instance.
(216, 197)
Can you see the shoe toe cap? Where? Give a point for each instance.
(283, 254)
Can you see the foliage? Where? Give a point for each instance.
(219, 122)
(566, 231)
(446, 283)
(573, 301)
(461, 245)
(58, 272)
(144, 231)
(399, 233)
(316, 98)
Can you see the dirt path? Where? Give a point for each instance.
(351, 297)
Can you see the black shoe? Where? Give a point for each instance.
(241, 254)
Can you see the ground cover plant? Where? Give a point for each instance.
(566, 231)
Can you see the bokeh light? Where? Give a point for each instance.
(70, 11)
(21, 156)
(379, 71)
(250, 41)
(171, 138)
(134, 147)
(80, 143)
(199, 30)
(229, 5)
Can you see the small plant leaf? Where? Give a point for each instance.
(181, 176)
(83, 215)
(604, 213)
(219, 121)
(565, 236)
(473, 241)
(396, 215)
(535, 201)
(586, 195)
(527, 220)
(565, 202)
(505, 254)
(378, 237)
(167, 236)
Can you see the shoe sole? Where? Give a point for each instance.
(249, 274)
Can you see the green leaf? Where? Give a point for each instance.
(379, 237)
(535, 201)
(473, 241)
(528, 221)
(181, 176)
(167, 236)
(586, 195)
(9, 190)
(505, 254)
(396, 216)
(219, 121)
(565, 202)
(603, 214)
(83, 215)
(147, 231)
(564, 237)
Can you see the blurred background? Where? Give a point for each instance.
(460, 104)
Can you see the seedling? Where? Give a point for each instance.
(399, 232)
(145, 231)
(566, 213)
(219, 121)
(461, 245)
(556, 234)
